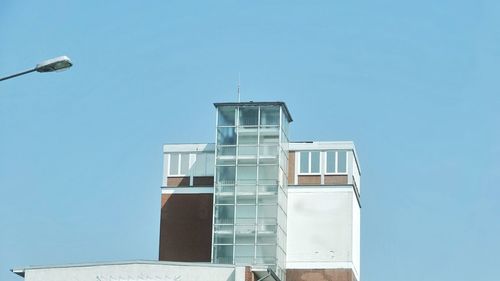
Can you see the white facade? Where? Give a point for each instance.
(324, 219)
(323, 228)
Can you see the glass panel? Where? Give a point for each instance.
(244, 251)
(270, 182)
(245, 234)
(266, 254)
(249, 116)
(209, 164)
(225, 190)
(268, 172)
(223, 254)
(266, 251)
(245, 194)
(284, 137)
(265, 260)
(281, 238)
(267, 139)
(247, 160)
(315, 162)
(268, 198)
(267, 214)
(224, 194)
(269, 135)
(270, 115)
(246, 190)
(224, 199)
(226, 174)
(282, 198)
(224, 214)
(268, 189)
(223, 234)
(247, 174)
(268, 150)
(268, 160)
(266, 221)
(284, 123)
(266, 228)
(247, 135)
(268, 154)
(330, 161)
(174, 163)
(226, 135)
(226, 160)
(304, 162)
(266, 234)
(247, 150)
(244, 198)
(243, 260)
(245, 230)
(226, 150)
(226, 116)
(342, 160)
(267, 211)
(184, 163)
(245, 214)
(199, 165)
(281, 216)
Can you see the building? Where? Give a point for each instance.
(253, 205)
(255, 198)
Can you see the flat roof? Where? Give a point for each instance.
(252, 103)
(188, 147)
(22, 270)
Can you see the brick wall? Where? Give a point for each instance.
(340, 274)
(186, 227)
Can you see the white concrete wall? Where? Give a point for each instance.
(356, 236)
(323, 228)
(135, 272)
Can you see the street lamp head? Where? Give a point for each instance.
(55, 64)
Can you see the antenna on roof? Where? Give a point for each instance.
(239, 96)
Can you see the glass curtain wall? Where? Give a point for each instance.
(250, 186)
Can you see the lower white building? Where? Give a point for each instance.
(134, 271)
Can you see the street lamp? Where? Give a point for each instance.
(55, 64)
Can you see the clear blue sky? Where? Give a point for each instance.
(415, 85)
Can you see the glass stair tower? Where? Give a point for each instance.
(250, 195)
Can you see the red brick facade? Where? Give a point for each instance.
(320, 275)
(186, 227)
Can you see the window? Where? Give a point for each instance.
(226, 136)
(331, 161)
(179, 164)
(203, 165)
(249, 116)
(226, 174)
(336, 161)
(341, 161)
(309, 162)
(226, 116)
(174, 164)
(269, 115)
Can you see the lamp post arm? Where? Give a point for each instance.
(17, 74)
